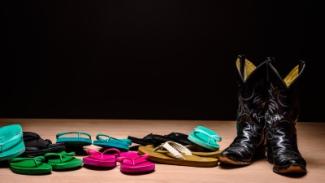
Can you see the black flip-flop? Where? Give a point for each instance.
(151, 139)
(36, 146)
(179, 138)
(156, 140)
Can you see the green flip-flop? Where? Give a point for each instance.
(63, 161)
(30, 166)
(205, 137)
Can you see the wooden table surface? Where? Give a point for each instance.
(311, 138)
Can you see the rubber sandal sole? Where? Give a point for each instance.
(98, 163)
(162, 158)
(141, 170)
(214, 154)
(11, 156)
(76, 163)
(32, 171)
(182, 163)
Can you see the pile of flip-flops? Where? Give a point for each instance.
(28, 153)
(200, 148)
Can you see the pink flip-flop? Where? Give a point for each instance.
(102, 159)
(133, 163)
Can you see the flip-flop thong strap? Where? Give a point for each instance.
(108, 138)
(211, 138)
(175, 149)
(37, 160)
(67, 153)
(95, 153)
(77, 133)
(134, 161)
(61, 156)
(114, 150)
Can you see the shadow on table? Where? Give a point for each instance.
(4, 164)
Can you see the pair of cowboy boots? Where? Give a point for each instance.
(267, 113)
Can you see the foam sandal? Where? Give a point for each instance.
(36, 146)
(133, 163)
(176, 154)
(11, 142)
(154, 139)
(106, 141)
(81, 139)
(102, 159)
(150, 139)
(199, 151)
(205, 137)
(30, 166)
(63, 161)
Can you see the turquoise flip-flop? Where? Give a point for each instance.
(205, 137)
(11, 142)
(75, 141)
(108, 141)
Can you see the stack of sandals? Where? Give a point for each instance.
(11, 142)
(41, 157)
(45, 164)
(131, 162)
(36, 146)
(28, 153)
(114, 151)
(199, 148)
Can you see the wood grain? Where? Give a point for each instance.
(311, 143)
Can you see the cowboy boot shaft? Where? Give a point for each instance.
(283, 103)
(281, 116)
(250, 113)
(251, 108)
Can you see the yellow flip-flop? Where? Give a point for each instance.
(197, 152)
(176, 154)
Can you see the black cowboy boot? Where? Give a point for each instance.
(281, 116)
(250, 115)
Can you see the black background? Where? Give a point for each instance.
(149, 59)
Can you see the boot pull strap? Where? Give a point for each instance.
(301, 65)
(242, 66)
(268, 61)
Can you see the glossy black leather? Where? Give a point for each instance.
(250, 117)
(281, 115)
